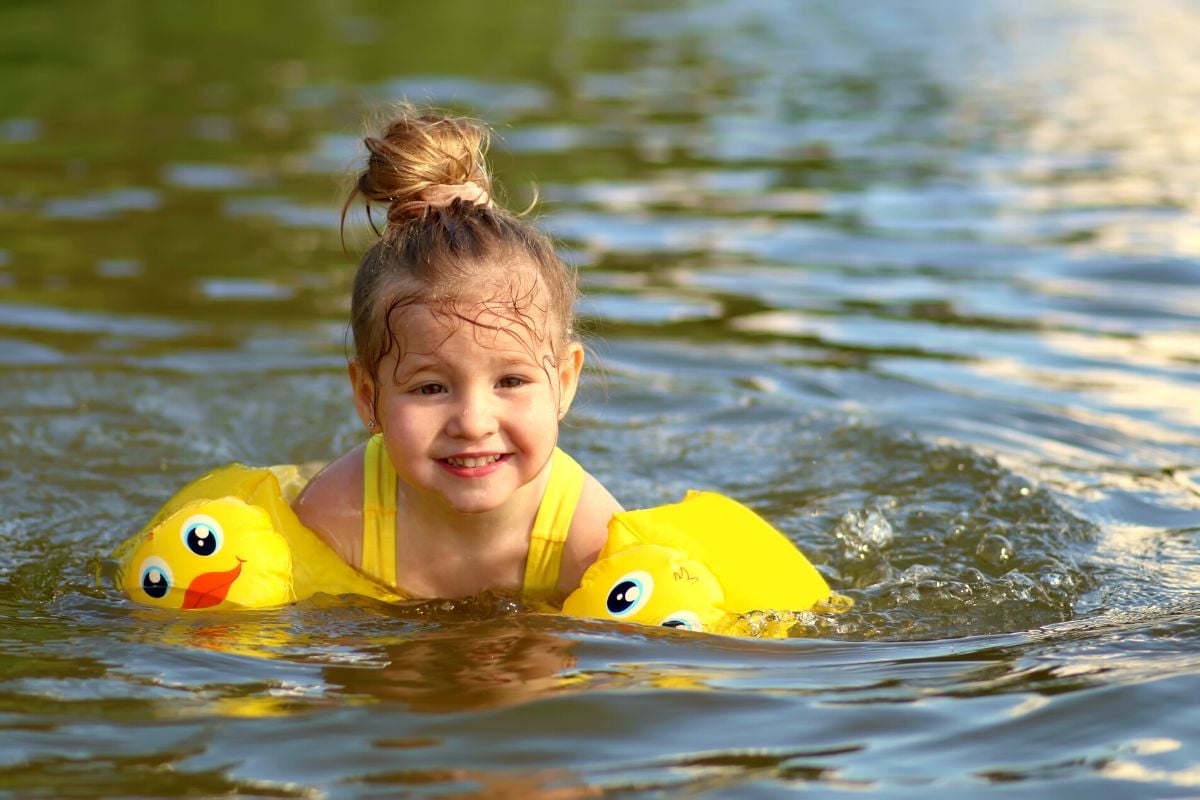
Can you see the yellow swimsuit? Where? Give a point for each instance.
(545, 541)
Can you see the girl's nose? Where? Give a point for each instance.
(474, 418)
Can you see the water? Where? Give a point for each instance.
(918, 281)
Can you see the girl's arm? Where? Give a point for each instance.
(331, 506)
(589, 530)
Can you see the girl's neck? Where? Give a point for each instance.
(444, 553)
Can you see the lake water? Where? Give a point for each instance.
(917, 280)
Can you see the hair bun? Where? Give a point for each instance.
(440, 195)
(424, 161)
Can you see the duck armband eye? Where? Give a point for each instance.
(683, 620)
(202, 535)
(629, 593)
(156, 578)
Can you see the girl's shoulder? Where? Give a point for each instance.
(331, 505)
(589, 530)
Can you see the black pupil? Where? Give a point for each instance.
(674, 623)
(200, 540)
(154, 583)
(618, 598)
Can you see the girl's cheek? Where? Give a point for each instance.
(408, 417)
(536, 401)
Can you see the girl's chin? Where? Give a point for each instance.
(475, 500)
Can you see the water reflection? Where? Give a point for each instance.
(103, 205)
(536, 784)
(465, 667)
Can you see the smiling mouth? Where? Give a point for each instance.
(470, 463)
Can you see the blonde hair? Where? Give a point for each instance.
(445, 239)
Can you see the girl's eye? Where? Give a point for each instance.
(431, 388)
(511, 382)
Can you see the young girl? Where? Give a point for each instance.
(465, 362)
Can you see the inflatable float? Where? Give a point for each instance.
(231, 540)
(699, 564)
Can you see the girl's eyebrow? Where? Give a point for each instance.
(407, 374)
(518, 361)
(415, 363)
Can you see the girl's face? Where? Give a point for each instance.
(469, 411)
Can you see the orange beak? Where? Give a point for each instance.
(209, 589)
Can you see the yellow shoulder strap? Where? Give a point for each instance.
(551, 527)
(379, 513)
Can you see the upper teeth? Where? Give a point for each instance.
(473, 462)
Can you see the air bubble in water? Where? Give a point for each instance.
(995, 551)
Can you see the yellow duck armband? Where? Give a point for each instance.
(698, 564)
(231, 540)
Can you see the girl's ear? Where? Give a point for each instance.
(570, 367)
(364, 395)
